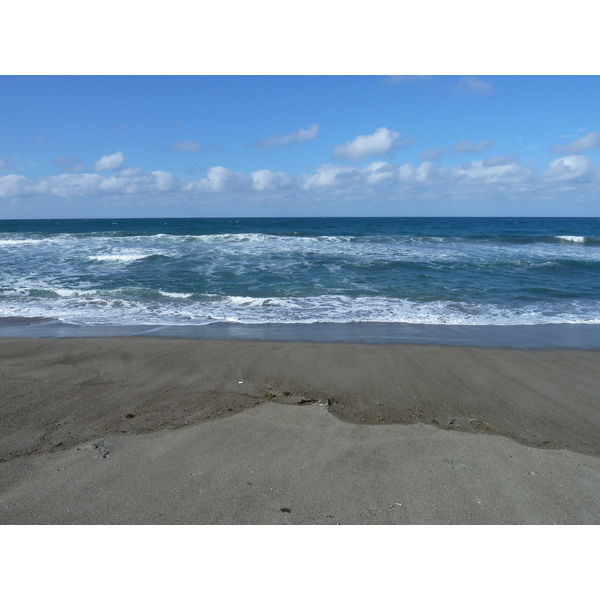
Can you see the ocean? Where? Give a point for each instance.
(368, 279)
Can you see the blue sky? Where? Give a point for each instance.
(95, 146)
(208, 144)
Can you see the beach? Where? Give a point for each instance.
(140, 430)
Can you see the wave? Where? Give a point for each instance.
(102, 309)
(293, 239)
(125, 257)
(574, 239)
(174, 294)
(385, 239)
(20, 242)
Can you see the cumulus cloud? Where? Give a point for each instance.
(431, 154)
(183, 146)
(69, 185)
(464, 147)
(408, 173)
(110, 162)
(498, 178)
(14, 185)
(287, 139)
(83, 185)
(264, 179)
(328, 176)
(473, 85)
(494, 171)
(380, 143)
(375, 174)
(378, 172)
(587, 142)
(569, 168)
(219, 179)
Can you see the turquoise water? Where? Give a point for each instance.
(435, 271)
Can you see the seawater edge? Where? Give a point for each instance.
(581, 336)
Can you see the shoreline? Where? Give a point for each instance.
(581, 336)
(68, 401)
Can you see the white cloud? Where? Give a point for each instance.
(112, 185)
(110, 162)
(431, 153)
(264, 179)
(328, 176)
(287, 139)
(569, 168)
(220, 179)
(408, 173)
(91, 184)
(14, 186)
(136, 182)
(217, 177)
(67, 185)
(380, 143)
(374, 174)
(587, 142)
(493, 171)
(183, 146)
(57, 185)
(473, 85)
(164, 182)
(378, 172)
(464, 147)
(129, 172)
(426, 172)
(499, 179)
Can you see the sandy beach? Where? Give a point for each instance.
(176, 431)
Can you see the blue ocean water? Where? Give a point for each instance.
(435, 271)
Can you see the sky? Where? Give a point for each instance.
(80, 143)
(191, 146)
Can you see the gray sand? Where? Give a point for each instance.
(142, 430)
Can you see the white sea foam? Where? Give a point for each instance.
(69, 293)
(174, 294)
(16, 242)
(102, 309)
(125, 257)
(230, 237)
(574, 239)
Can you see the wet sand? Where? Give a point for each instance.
(157, 430)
